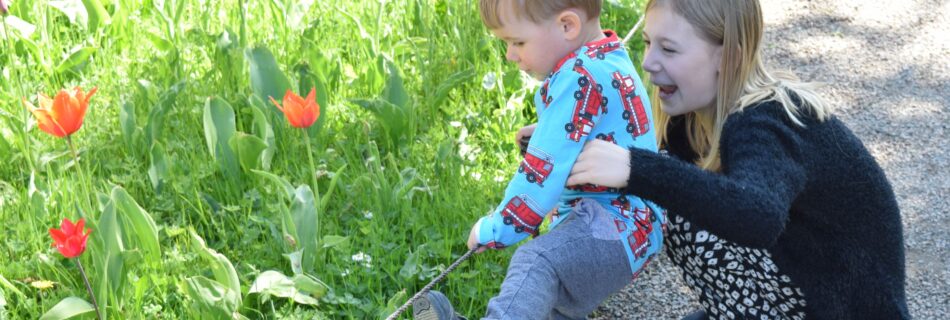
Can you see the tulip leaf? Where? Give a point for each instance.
(211, 299)
(67, 308)
(76, 60)
(97, 14)
(310, 285)
(137, 223)
(262, 129)
(248, 149)
(283, 183)
(156, 117)
(394, 91)
(266, 78)
(219, 127)
(394, 120)
(447, 85)
(158, 170)
(221, 267)
(274, 283)
(325, 198)
(306, 220)
(129, 127)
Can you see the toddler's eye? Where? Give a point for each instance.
(668, 50)
(518, 44)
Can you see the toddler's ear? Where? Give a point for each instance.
(570, 23)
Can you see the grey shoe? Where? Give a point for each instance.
(434, 306)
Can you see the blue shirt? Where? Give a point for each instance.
(593, 93)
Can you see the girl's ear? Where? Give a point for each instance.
(570, 24)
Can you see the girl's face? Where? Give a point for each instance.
(682, 64)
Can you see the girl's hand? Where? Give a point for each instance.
(601, 163)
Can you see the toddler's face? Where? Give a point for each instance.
(684, 65)
(536, 48)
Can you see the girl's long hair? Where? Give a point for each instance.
(743, 79)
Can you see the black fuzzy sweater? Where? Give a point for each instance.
(813, 196)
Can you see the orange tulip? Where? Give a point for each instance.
(300, 112)
(62, 115)
(70, 239)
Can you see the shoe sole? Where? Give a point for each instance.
(422, 310)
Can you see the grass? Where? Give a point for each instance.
(404, 196)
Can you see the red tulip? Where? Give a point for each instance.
(62, 115)
(300, 112)
(69, 238)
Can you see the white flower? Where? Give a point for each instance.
(345, 272)
(364, 258)
(488, 81)
(367, 214)
(477, 176)
(455, 124)
(499, 179)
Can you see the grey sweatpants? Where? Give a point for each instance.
(566, 273)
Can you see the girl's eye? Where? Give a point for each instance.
(668, 50)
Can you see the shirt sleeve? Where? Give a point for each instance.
(749, 201)
(570, 104)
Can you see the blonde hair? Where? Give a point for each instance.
(743, 79)
(535, 10)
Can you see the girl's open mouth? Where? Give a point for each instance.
(667, 91)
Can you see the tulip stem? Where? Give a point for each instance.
(82, 173)
(313, 176)
(85, 279)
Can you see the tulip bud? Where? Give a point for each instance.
(3, 8)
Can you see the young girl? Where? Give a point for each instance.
(776, 209)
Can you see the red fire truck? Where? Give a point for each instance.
(601, 51)
(590, 102)
(522, 212)
(622, 204)
(639, 239)
(633, 112)
(536, 165)
(607, 137)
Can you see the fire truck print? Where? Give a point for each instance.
(639, 239)
(622, 204)
(633, 111)
(590, 102)
(522, 212)
(536, 165)
(609, 137)
(599, 52)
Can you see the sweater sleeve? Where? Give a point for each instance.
(748, 202)
(571, 104)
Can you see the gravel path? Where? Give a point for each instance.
(887, 66)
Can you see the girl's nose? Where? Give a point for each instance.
(649, 62)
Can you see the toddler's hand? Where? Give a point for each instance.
(473, 239)
(523, 136)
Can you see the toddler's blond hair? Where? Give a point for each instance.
(535, 10)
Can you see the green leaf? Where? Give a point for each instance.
(221, 267)
(325, 198)
(97, 14)
(392, 304)
(262, 129)
(248, 149)
(127, 122)
(266, 78)
(395, 120)
(212, 299)
(409, 268)
(394, 92)
(304, 212)
(447, 85)
(333, 241)
(281, 182)
(138, 226)
(156, 117)
(274, 283)
(310, 285)
(67, 308)
(219, 127)
(8, 285)
(158, 170)
(76, 60)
